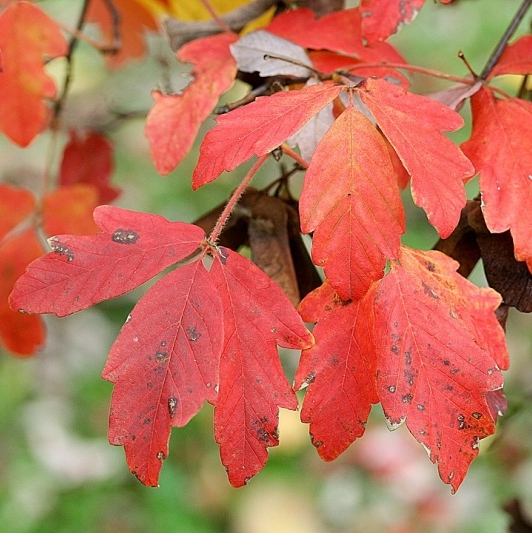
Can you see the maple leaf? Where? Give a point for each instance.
(382, 18)
(134, 20)
(501, 153)
(258, 128)
(27, 36)
(257, 317)
(433, 368)
(515, 59)
(164, 364)
(174, 121)
(81, 271)
(413, 124)
(339, 370)
(89, 159)
(351, 201)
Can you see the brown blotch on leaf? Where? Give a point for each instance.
(172, 405)
(125, 236)
(61, 249)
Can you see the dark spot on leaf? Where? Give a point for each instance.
(476, 415)
(461, 422)
(161, 356)
(429, 292)
(310, 378)
(146, 421)
(264, 419)
(448, 387)
(133, 437)
(391, 388)
(149, 385)
(262, 435)
(334, 361)
(430, 266)
(125, 236)
(161, 456)
(407, 398)
(422, 432)
(61, 249)
(193, 334)
(172, 404)
(420, 407)
(163, 343)
(446, 362)
(318, 443)
(454, 371)
(408, 358)
(395, 349)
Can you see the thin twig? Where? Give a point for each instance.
(501, 45)
(212, 12)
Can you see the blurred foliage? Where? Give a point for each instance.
(59, 475)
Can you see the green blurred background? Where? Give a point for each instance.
(58, 474)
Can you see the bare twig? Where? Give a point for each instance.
(501, 45)
(181, 32)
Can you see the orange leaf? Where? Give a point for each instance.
(134, 20)
(174, 121)
(69, 210)
(351, 200)
(433, 370)
(27, 36)
(15, 205)
(20, 333)
(413, 124)
(258, 128)
(500, 147)
(339, 370)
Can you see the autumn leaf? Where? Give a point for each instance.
(516, 58)
(174, 121)
(270, 55)
(500, 147)
(164, 365)
(382, 18)
(81, 271)
(433, 368)
(339, 370)
(339, 32)
(257, 317)
(258, 128)
(133, 22)
(15, 205)
(351, 201)
(88, 158)
(28, 36)
(21, 334)
(414, 124)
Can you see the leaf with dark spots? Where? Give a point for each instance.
(161, 376)
(82, 271)
(443, 390)
(339, 370)
(257, 317)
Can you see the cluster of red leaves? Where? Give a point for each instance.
(418, 338)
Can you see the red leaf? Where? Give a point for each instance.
(258, 128)
(340, 32)
(350, 198)
(69, 210)
(516, 58)
(382, 18)
(134, 20)
(15, 205)
(20, 333)
(174, 121)
(27, 35)
(164, 365)
(82, 271)
(433, 370)
(413, 124)
(257, 317)
(339, 370)
(89, 159)
(500, 147)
